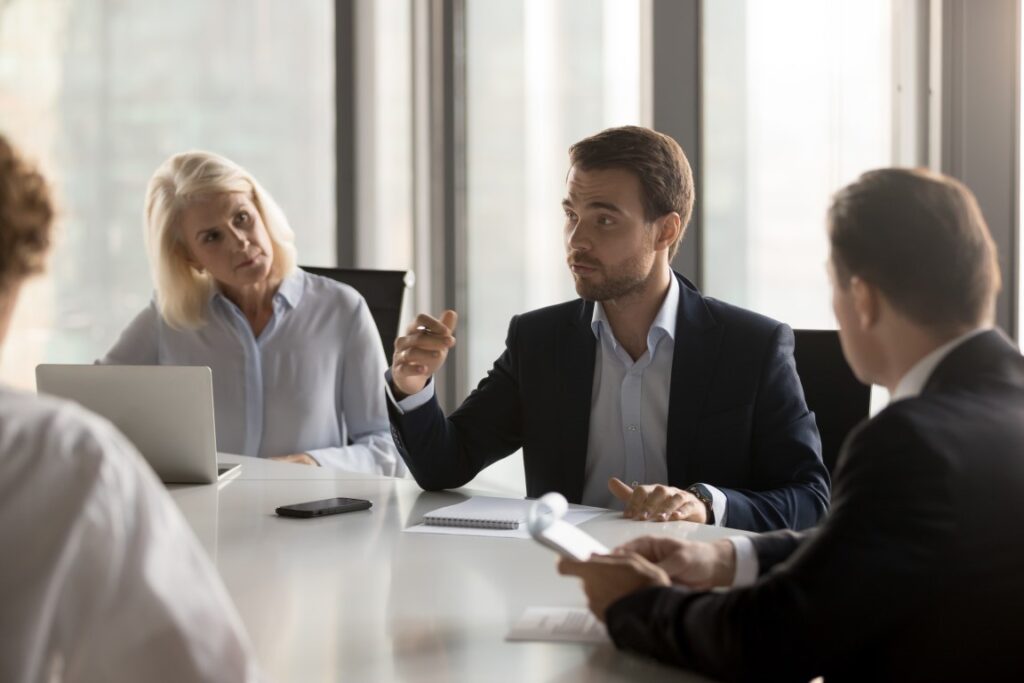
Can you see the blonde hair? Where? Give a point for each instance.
(181, 290)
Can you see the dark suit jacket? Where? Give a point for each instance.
(736, 418)
(916, 574)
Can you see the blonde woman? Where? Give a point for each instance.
(298, 368)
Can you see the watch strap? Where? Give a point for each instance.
(702, 494)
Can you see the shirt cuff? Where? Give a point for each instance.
(412, 401)
(718, 504)
(747, 566)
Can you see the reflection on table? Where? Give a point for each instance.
(350, 597)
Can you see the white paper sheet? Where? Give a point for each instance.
(558, 624)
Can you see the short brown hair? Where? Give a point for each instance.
(920, 238)
(657, 161)
(25, 218)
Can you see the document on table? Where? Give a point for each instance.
(560, 624)
(458, 519)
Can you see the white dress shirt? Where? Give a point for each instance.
(628, 409)
(311, 381)
(102, 580)
(909, 386)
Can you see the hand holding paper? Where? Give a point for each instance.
(547, 526)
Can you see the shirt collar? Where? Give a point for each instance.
(292, 287)
(911, 384)
(665, 320)
(289, 291)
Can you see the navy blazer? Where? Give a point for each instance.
(736, 419)
(915, 575)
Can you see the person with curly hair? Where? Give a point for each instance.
(103, 579)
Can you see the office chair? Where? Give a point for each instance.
(385, 291)
(836, 396)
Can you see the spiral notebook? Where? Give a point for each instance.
(481, 512)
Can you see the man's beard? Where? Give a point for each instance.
(630, 278)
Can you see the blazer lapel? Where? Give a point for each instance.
(577, 351)
(697, 344)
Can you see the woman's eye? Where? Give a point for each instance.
(210, 236)
(242, 217)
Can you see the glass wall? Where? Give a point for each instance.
(798, 102)
(101, 92)
(384, 139)
(540, 75)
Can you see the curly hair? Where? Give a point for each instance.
(26, 217)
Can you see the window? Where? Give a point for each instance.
(384, 142)
(100, 93)
(540, 76)
(798, 102)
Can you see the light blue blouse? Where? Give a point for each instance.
(311, 381)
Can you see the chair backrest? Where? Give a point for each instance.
(836, 396)
(386, 293)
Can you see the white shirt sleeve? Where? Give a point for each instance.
(413, 401)
(364, 413)
(747, 566)
(110, 585)
(718, 504)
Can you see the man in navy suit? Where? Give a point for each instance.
(915, 574)
(695, 402)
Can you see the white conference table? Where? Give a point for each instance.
(351, 597)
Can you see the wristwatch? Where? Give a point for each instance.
(702, 494)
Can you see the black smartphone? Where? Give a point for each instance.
(319, 508)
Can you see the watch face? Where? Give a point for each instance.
(700, 492)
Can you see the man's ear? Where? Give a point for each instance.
(8, 302)
(867, 302)
(670, 228)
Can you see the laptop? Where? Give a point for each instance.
(166, 411)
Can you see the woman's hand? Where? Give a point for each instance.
(298, 458)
